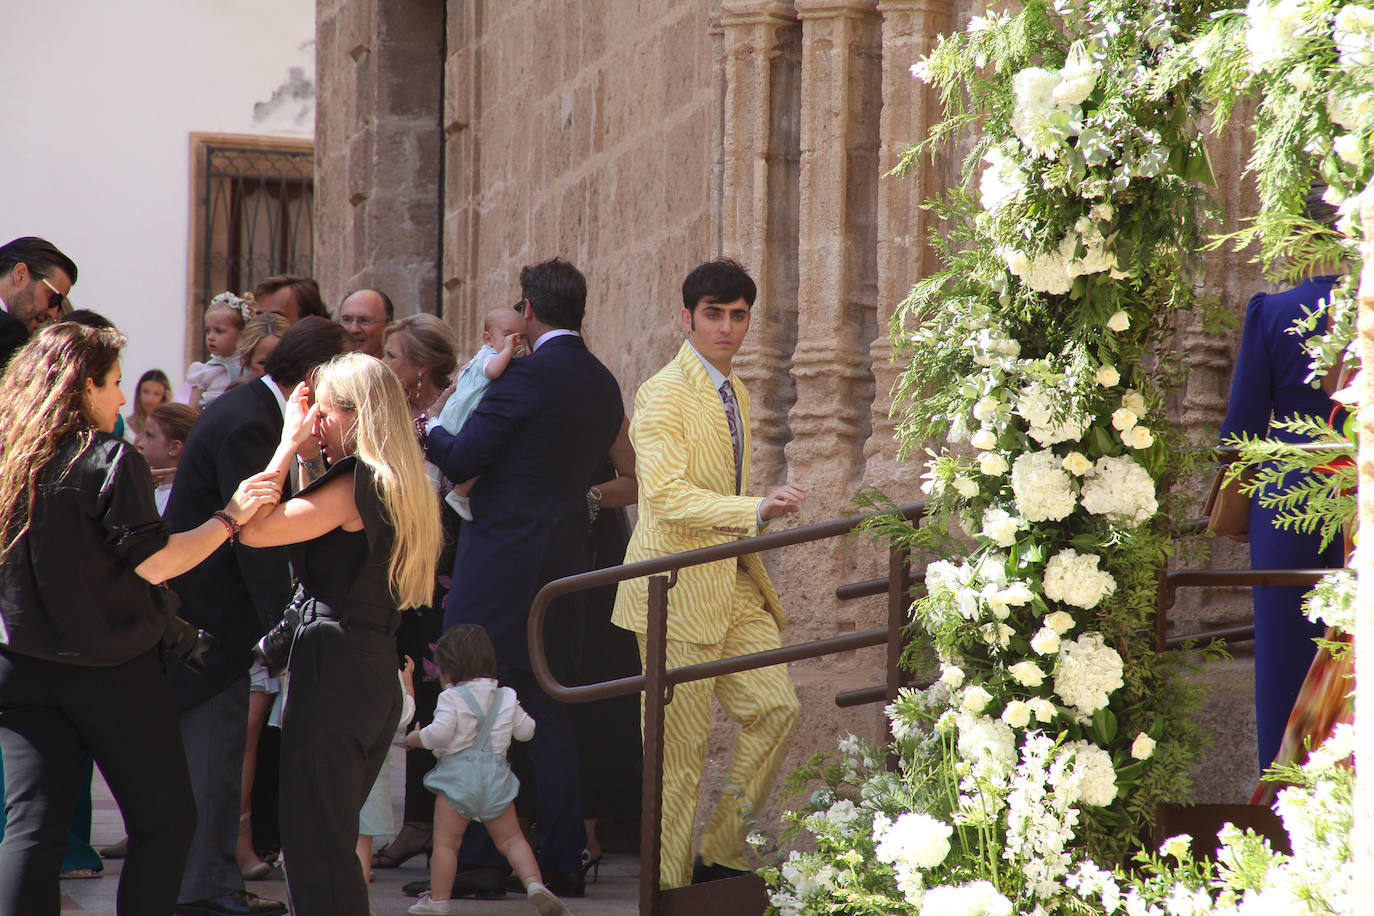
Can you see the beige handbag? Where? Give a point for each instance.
(1228, 509)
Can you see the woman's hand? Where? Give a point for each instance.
(260, 491)
(163, 475)
(413, 740)
(437, 407)
(299, 420)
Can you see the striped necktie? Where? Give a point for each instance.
(727, 397)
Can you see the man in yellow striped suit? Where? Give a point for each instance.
(691, 436)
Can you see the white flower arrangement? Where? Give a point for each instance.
(1120, 489)
(1043, 489)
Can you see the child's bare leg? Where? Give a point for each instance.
(449, 827)
(364, 850)
(510, 839)
(465, 487)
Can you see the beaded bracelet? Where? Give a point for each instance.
(420, 432)
(230, 524)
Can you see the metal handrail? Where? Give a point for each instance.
(657, 681)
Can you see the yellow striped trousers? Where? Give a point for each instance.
(764, 704)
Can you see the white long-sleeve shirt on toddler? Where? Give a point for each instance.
(454, 727)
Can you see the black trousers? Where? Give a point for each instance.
(51, 716)
(343, 703)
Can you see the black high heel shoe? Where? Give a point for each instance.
(591, 865)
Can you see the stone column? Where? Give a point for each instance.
(910, 109)
(759, 173)
(462, 106)
(378, 139)
(837, 240)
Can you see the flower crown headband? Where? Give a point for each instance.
(243, 305)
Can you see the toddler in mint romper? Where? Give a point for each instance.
(476, 781)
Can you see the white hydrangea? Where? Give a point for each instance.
(1353, 32)
(1038, 119)
(983, 737)
(1073, 578)
(1037, 403)
(1087, 673)
(1000, 527)
(915, 840)
(1077, 77)
(1118, 488)
(1272, 31)
(980, 898)
(1043, 489)
(1003, 180)
(1094, 766)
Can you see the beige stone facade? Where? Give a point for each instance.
(460, 140)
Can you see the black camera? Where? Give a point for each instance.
(274, 649)
(187, 643)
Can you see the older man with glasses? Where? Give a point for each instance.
(34, 281)
(365, 314)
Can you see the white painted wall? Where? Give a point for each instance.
(100, 100)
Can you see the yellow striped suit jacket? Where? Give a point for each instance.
(686, 468)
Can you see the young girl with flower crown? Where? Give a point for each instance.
(224, 321)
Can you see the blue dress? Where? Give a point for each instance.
(1269, 380)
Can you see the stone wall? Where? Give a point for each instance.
(639, 139)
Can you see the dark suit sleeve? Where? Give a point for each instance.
(265, 572)
(1251, 400)
(509, 401)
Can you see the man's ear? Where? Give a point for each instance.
(687, 319)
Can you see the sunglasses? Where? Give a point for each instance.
(55, 300)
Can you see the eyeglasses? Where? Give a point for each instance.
(55, 300)
(360, 320)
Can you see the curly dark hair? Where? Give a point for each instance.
(465, 652)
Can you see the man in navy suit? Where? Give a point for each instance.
(34, 281)
(536, 440)
(237, 594)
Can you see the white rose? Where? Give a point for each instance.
(952, 676)
(1138, 437)
(1119, 321)
(975, 698)
(1017, 714)
(1108, 377)
(1045, 641)
(1142, 747)
(1301, 79)
(1123, 418)
(1134, 401)
(1044, 710)
(1059, 622)
(1347, 146)
(984, 408)
(1000, 527)
(992, 464)
(966, 487)
(983, 440)
(1076, 463)
(1027, 674)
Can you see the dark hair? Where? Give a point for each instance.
(1316, 209)
(308, 343)
(305, 292)
(386, 301)
(556, 291)
(720, 281)
(174, 420)
(88, 318)
(465, 652)
(152, 375)
(41, 256)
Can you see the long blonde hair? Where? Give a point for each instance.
(383, 438)
(42, 404)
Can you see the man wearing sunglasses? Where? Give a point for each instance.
(34, 281)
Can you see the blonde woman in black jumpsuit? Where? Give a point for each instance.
(365, 540)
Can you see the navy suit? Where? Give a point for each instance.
(1270, 379)
(537, 440)
(13, 335)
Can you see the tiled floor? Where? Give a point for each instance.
(615, 894)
